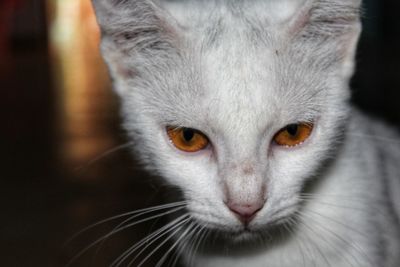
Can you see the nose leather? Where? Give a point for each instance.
(245, 212)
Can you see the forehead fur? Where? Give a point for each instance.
(213, 20)
(237, 62)
(194, 57)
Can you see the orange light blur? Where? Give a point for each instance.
(85, 97)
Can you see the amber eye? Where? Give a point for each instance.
(187, 139)
(293, 134)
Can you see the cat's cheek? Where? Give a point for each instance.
(301, 161)
(186, 172)
(196, 175)
(289, 169)
(192, 171)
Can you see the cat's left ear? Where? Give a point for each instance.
(132, 32)
(334, 25)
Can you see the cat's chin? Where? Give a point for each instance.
(245, 235)
(241, 234)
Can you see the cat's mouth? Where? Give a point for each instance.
(247, 236)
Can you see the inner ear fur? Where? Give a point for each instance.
(333, 23)
(134, 33)
(133, 26)
(326, 18)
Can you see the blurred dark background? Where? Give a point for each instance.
(60, 118)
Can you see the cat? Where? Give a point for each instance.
(244, 107)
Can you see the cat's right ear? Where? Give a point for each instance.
(131, 31)
(334, 25)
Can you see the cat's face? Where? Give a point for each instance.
(235, 105)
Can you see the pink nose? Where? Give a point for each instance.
(245, 212)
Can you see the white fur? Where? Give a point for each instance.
(239, 71)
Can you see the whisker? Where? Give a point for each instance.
(119, 230)
(104, 154)
(151, 239)
(309, 246)
(375, 207)
(162, 243)
(358, 249)
(157, 238)
(177, 242)
(339, 223)
(141, 211)
(175, 257)
(127, 221)
(201, 235)
(334, 205)
(332, 245)
(339, 238)
(191, 244)
(291, 231)
(375, 138)
(311, 242)
(340, 196)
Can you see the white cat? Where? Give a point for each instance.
(244, 106)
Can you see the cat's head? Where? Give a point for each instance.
(236, 103)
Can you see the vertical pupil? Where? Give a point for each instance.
(292, 129)
(188, 134)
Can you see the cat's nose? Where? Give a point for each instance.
(245, 212)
